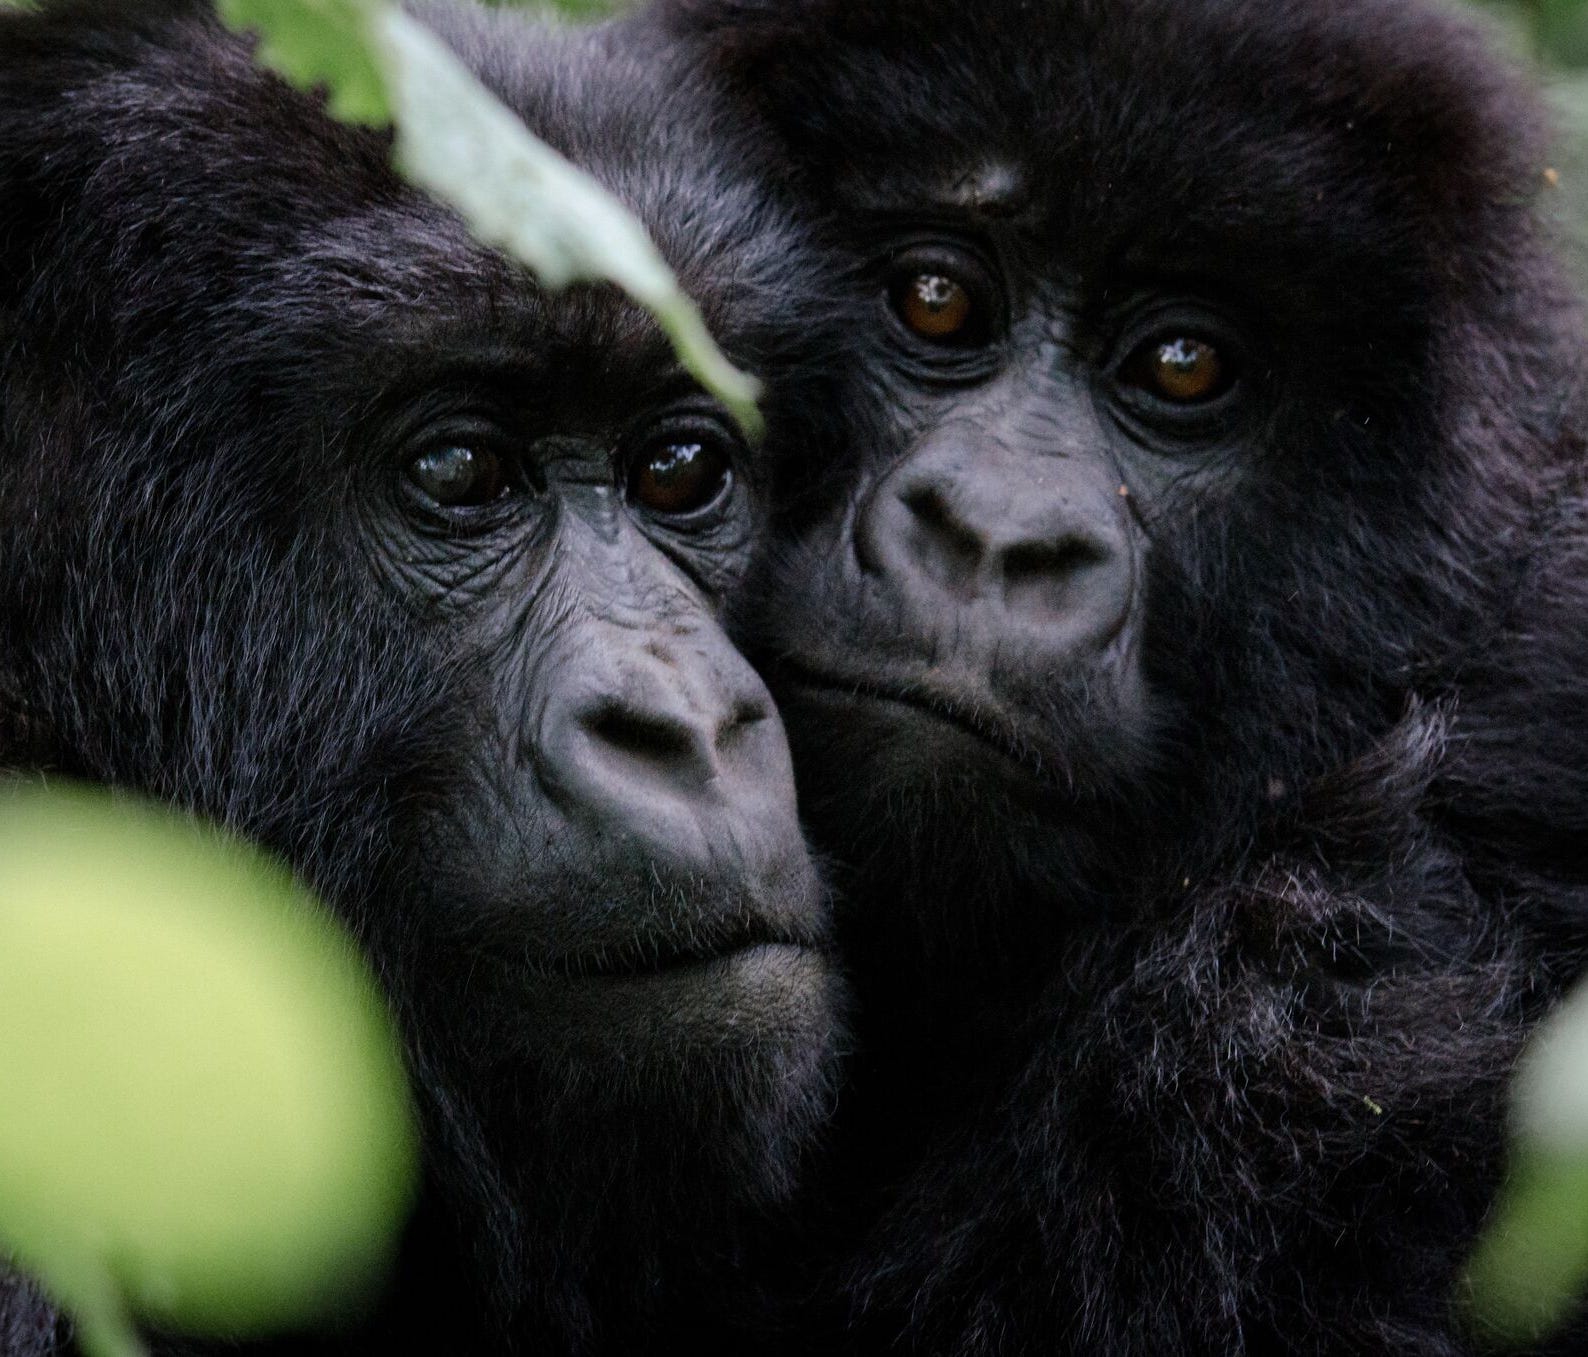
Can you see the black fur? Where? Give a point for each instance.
(1193, 1035)
(211, 296)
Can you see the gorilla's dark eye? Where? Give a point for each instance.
(679, 476)
(459, 476)
(933, 305)
(943, 294)
(1180, 369)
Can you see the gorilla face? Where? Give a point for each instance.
(1153, 505)
(621, 813)
(326, 522)
(617, 854)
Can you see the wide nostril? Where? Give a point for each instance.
(1030, 563)
(661, 743)
(1077, 587)
(951, 552)
(682, 752)
(1045, 555)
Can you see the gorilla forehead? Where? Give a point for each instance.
(1369, 127)
(669, 146)
(184, 148)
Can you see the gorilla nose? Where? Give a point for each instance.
(1040, 547)
(654, 737)
(673, 741)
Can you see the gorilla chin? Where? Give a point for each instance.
(649, 908)
(753, 976)
(652, 993)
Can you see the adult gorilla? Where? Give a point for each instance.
(324, 522)
(1186, 657)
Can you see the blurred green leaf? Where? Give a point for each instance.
(1532, 1263)
(1562, 28)
(1553, 31)
(1531, 1266)
(206, 1117)
(319, 43)
(459, 141)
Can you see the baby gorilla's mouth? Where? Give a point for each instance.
(990, 730)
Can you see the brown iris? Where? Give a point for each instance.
(1183, 370)
(678, 478)
(933, 305)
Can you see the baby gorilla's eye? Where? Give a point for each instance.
(946, 298)
(679, 476)
(934, 306)
(1180, 369)
(459, 476)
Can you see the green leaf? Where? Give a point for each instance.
(457, 140)
(319, 43)
(1563, 31)
(1531, 1266)
(1532, 1262)
(206, 1118)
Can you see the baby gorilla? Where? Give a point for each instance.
(321, 520)
(1186, 655)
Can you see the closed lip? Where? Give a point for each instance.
(665, 954)
(987, 728)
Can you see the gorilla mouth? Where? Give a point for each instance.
(995, 734)
(663, 955)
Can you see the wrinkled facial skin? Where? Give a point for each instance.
(620, 852)
(329, 523)
(961, 631)
(986, 572)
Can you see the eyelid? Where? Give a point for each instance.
(965, 267)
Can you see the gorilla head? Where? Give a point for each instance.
(1184, 653)
(1211, 375)
(321, 520)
